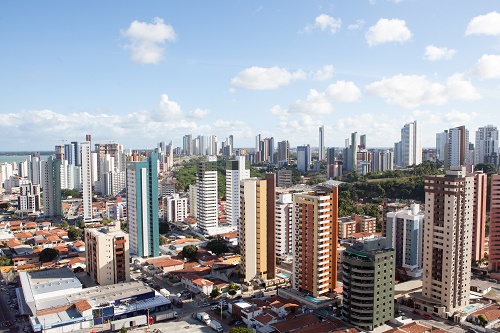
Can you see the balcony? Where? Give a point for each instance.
(361, 284)
(362, 271)
(361, 310)
(361, 303)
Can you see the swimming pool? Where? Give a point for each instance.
(315, 300)
(469, 307)
(283, 275)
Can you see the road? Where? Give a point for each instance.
(6, 313)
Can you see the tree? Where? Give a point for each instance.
(240, 330)
(5, 261)
(123, 330)
(74, 232)
(78, 270)
(215, 292)
(189, 252)
(64, 224)
(217, 247)
(231, 292)
(106, 221)
(482, 320)
(163, 240)
(48, 254)
(81, 224)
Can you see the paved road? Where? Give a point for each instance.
(6, 313)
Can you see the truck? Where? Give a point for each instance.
(204, 317)
(177, 301)
(164, 292)
(216, 326)
(165, 315)
(136, 321)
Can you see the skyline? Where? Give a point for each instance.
(138, 76)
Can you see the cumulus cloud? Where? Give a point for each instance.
(198, 113)
(488, 24)
(457, 118)
(410, 91)
(279, 111)
(356, 25)
(265, 78)
(434, 53)
(324, 73)
(320, 103)
(325, 22)
(388, 30)
(168, 109)
(487, 67)
(146, 41)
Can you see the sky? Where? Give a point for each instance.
(138, 73)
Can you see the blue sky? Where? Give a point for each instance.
(142, 72)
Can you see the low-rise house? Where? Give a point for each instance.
(163, 265)
(196, 284)
(78, 246)
(486, 318)
(16, 226)
(26, 259)
(45, 225)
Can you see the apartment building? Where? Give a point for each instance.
(107, 254)
(368, 277)
(315, 234)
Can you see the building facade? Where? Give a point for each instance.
(107, 254)
(87, 180)
(447, 242)
(303, 158)
(206, 196)
(411, 144)
(142, 207)
(486, 144)
(368, 277)
(494, 237)
(235, 172)
(315, 235)
(51, 182)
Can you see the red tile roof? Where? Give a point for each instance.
(83, 305)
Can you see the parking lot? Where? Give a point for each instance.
(10, 320)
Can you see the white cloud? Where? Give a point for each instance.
(231, 90)
(457, 118)
(356, 25)
(279, 111)
(410, 91)
(325, 22)
(168, 109)
(321, 102)
(198, 113)
(488, 24)
(263, 78)
(487, 67)
(146, 41)
(324, 73)
(343, 91)
(433, 53)
(386, 31)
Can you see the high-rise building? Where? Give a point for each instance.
(486, 144)
(28, 200)
(447, 242)
(142, 207)
(187, 144)
(283, 152)
(235, 172)
(77, 153)
(257, 230)
(193, 193)
(441, 144)
(87, 181)
(315, 235)
(303, 158)
(479, 215)
(411, 144)
(107, 254)
(110, 149)
(35, 174)
(284, 209)
(175, 208)
(404, 230)
(494, 237)
(457, 147)
(331, 155)
(321, 143)
(206, 196)
(51, 182)
(368, 277)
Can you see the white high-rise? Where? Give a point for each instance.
(235, 172)
(486, 144)
(411, 144)
(284, 209)
(87, 180)
(322, 143)
(457, 148)
(206, 196)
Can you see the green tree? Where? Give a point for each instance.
(189, 252)
(214, 293)
(64, 224)
(78, 270)
(482, 320)
(5, 261)
(163, 240)
(5, 205)
(65, 193)
(75, 233)
(123, 330)
(217, 246)
(231, 292)
(48, 254)
(163, 228)
(106, 221)
(81, 224)
(240, 330)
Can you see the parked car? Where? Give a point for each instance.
(238, 322)
(427, 316)
(416, 312)
(205, 304)
(214, 307)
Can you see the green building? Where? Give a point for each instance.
(368, 277)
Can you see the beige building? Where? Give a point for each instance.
(107, 255)
(315, 234)
(447, 242)
(347, 227)
(257, 228)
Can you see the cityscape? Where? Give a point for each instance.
(245, 167)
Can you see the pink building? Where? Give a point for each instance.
(494, 243)
(479, 215)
